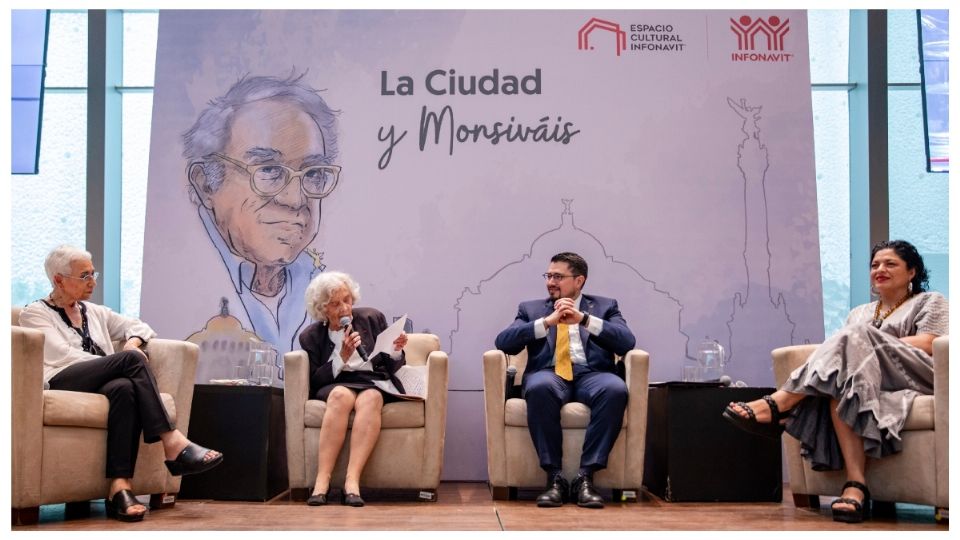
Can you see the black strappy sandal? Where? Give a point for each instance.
(121, 502)
(861, 509)
(771, 430)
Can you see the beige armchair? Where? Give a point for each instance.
(409, 452)
(59, 438)
(919, 474)
(512, 461)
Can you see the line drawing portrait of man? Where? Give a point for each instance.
(260, 159)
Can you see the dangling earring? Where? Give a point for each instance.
(910, 288)
(874, 291)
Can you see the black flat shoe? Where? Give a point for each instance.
(351, 499)
(191, 461)
(771, 430)
(861, 509)
(319, 499)
(121, 502)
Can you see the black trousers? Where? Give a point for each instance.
(135, 404)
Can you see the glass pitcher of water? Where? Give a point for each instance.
(262, 361)
(712, 359)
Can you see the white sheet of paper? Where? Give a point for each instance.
(413, 379)
(387, 337)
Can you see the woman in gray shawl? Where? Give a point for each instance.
(852, 396)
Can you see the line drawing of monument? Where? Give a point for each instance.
(766, 320)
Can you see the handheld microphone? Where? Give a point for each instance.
(344, 323)
(511, 377)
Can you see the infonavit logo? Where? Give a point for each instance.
(646, 37)
(747, 29)
(583, 36)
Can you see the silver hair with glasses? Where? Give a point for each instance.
(209, 134)
(59, 260)
(322, 287)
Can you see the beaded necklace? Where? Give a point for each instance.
(878, 320)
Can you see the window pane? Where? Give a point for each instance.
(829, 33)
(50, 208)
(918, 199)
(831, 136)
(67, 50)
(137, 111)
(903, 49)
(139, 47)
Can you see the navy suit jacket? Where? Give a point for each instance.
(615, 338)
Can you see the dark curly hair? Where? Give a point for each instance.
(910, 255)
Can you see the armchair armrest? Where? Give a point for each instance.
(494, 381)
(787, 359)
(296, 390)
(174, 364)
(941, 422)
(637, 377)
(26, 431)
(435, 413)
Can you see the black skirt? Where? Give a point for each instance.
(361, 380)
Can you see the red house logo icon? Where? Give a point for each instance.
(583, 36)
(747, 29)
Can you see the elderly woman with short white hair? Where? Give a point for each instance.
(78, 355)
(343, 376)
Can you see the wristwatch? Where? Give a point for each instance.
(585, 320)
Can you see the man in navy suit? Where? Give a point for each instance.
(571, 339)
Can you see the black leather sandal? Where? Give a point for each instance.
(861, 509)
(121, 502)
(771, 429)
(191, 461)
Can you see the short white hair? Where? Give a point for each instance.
(61, 258)
(322, 287)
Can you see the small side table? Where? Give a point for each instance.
(247, 424)
(694, 454)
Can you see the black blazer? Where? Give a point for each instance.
(315, 340)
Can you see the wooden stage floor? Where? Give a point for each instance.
(464, 506)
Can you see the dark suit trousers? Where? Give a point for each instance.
(135, 404)
(545, 393)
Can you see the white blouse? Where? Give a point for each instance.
(62, 345)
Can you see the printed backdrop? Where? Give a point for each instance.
(672, 149)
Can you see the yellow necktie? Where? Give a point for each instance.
(561, 355)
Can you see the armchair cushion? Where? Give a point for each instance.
(572, 415)
(403, 414)
(84, 409)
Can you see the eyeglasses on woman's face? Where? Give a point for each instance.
(84, 276)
